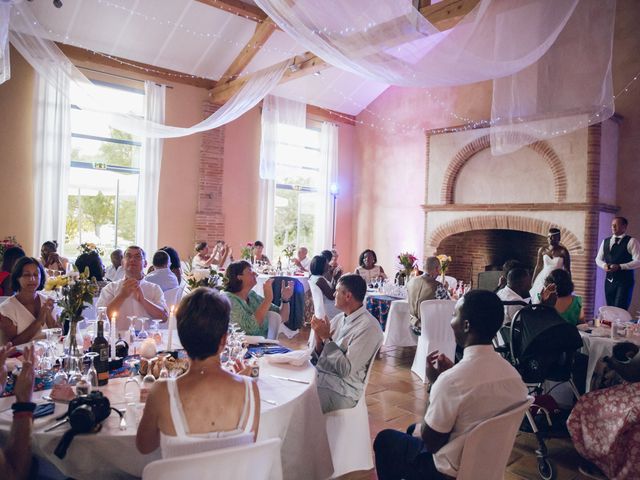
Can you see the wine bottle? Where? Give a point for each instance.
(101, 347)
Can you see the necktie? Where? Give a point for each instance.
(616, 240)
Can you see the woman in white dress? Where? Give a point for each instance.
(321, 290)
(23, 315)
(550, 258)
(368, 268)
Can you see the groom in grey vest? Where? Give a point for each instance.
(619, 256)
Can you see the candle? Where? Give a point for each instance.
(172, 321)
(113, 335)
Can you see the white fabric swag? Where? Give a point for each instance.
(51, 161)
(5, 64)
(275, 111)
(151, 162)
(328, 176)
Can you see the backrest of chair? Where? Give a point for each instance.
(488, 446)
(225, 463)
(318, 299)
(435, 316)
(611, 314)
(452, 282)
(173, 296)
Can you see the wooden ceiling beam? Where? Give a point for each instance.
(238, 8)
(251, 49)
(443, 15)
(330, 115)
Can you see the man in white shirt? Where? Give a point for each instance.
(162, 275)
(619, 256)
(302, 261)
(133, 295)
(114, 272)
(481, 386)
(517, 290)
(345, 347)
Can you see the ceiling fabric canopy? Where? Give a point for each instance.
(547, 59)
(27, 35)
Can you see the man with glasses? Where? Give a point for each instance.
(133, 295)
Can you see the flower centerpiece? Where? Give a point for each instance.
(246, 251)
(88, 247)
(75, 292)
(6, 243)
(204, 278)
(289, 250)
(407, 262)
(445, 261)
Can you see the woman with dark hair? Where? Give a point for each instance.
(50, 259)
(23, 315)
(248, 309)
(11, 256)
(368, 268)
(175, 265)
(174, 415)
(568, 305)
(318, 268)
(258, 257)
(93, 262)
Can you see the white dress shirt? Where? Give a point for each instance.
(481, 386)
(131, 306)
(114, 274)
(633, 247)
(507, 295)
(305, 262)
(164, 278)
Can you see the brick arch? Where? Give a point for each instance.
(502, 222)
(470, 149)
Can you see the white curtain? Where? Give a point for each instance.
(150, 165)
(5, 64)
(51, 162)
(328, 176)
(275, 111)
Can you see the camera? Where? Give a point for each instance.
(87, 411)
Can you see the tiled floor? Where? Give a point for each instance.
(396, 398)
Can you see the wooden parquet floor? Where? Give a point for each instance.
(396, 398)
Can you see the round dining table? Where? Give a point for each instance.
(290, 410)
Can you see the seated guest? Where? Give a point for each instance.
(16, 460)
(115, 272)
(11, 256)
(175, 414)
(335, 270)
(133, 295)
(258, 257)
(175, 266)
(506, 268)
(50, 259)
(345, 346)
(424, 287)
(318, 268)
(161, 275)
(568, 305)
(301, 260)
(368, 268)
(93, 262)
(222, 254)
(516, 290)
(203, 258)
(23, 315)
(481, 386)
(248, 309)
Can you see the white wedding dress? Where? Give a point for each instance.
(549, 265)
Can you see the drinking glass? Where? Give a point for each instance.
(61, 377)
(132, 386)
(74, 370)
(132, 329)
(92, 374)
(143, 334)
(164, 373)
(155, 331)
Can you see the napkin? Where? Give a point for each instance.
(296, 357)
(257, 339)
(7, 415)
(287, 332)
(601, 332)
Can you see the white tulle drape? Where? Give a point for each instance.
(545, 44)
(51, 162)
(151, 162)
(28, 36)
(5, 65)
(275, 111)
(328, 176)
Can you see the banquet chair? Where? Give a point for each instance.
(349, 434)
(173, 296)
(398, 332)
(488, 446)
(452, 282)
(610, 314)
(436, 334)
(257, 461)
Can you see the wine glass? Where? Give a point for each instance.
(143, 334)
(155, 331)
(131, 385)
(162, 357)
(132, 329)
(92, 373)
(74, 370)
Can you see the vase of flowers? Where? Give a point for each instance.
(246, 251)
(445, 261)
(7, 243)
(289, 251)
(407, 263)
(203, 278)
(88, 247)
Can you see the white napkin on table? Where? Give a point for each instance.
(295, 357)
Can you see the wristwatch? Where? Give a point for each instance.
(285, 301)
(327, 340)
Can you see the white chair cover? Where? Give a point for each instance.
(398, 331)
(349, 435)
(173, 296)
(275, 324)
(488, 446)
(318, 300)
(258, 461)
(437, 333)
(614, 313)
(452, 282)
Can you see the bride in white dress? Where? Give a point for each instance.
(550, 258)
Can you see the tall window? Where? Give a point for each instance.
(104, 174)
(298, 178)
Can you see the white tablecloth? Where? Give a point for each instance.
(263, 278)
(111, 454)
(596, 348)
(398, 331)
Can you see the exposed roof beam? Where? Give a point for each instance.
(259, 38)
(81, 55)
(443, 15)
(238, 8)
(330, 115)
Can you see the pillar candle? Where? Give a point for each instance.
(113, 335)
(172, 324)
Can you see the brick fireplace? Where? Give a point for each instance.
(481, 209)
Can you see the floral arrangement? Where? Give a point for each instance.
(6, 243)
(204, 278)
(289, 250)
(89, 247)
(246, 251)
(445, 261)
(407, 260)
(76, 290)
